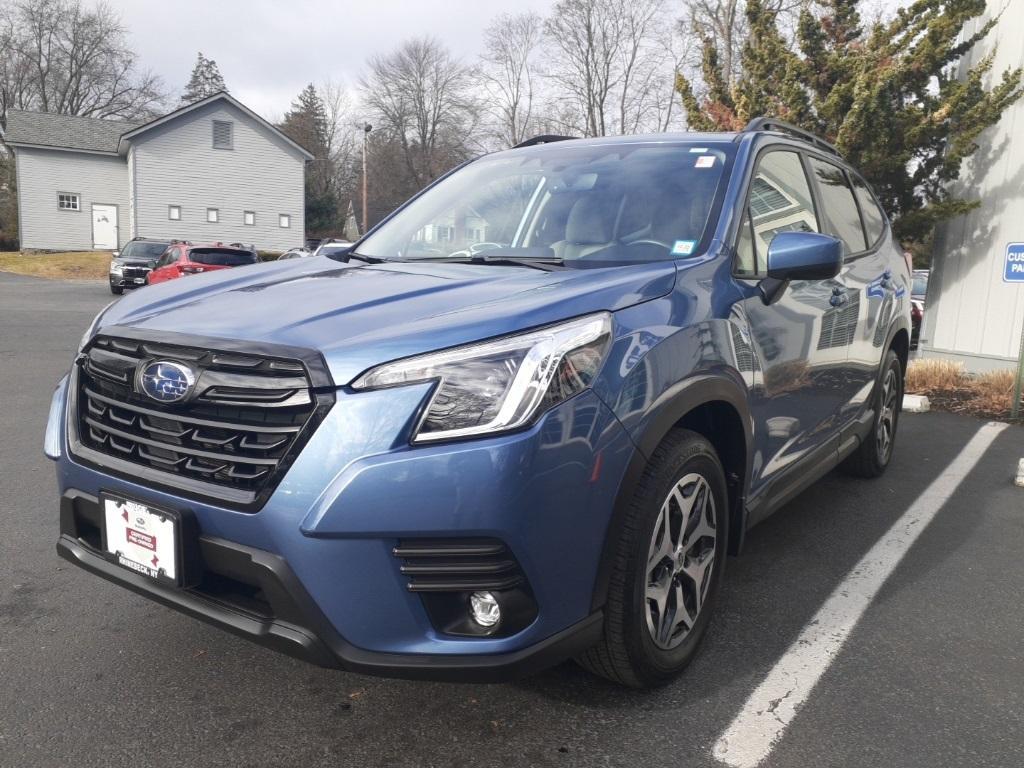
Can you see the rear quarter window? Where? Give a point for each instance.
(216, 257)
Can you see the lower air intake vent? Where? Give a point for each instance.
(447, 573)
(458, 565)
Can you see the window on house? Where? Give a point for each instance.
(223, 134)
(212, 215)
(284, 221)
(249, 217)
(68, 202)
(174, 212)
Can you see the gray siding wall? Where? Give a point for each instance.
(176, 164)
(971, 315)
(42, 173)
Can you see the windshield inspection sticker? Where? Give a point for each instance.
(683, 247)
(704, 161)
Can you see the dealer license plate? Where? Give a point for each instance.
(141, 538)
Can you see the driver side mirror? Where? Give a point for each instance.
(115, 254)
(800, 256)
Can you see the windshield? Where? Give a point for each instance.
(584, 204)
(221, 258)
(143, 250)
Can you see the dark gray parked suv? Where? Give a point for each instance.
(129, 267)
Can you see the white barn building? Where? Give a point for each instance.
(210, 171)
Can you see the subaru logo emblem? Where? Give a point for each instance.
(166, 381)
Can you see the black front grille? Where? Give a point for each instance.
(132, 273)
(458, 565)
(230, 440)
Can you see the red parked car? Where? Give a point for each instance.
(182, 259)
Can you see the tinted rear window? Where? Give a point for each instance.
(222, 257)
(840, 207)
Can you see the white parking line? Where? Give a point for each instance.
(750, 737)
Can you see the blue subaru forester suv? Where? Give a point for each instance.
(524, 419)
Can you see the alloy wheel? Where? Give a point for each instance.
(680, 561)
(887, 416)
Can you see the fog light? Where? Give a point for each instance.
(485, 609)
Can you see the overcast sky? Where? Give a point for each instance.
(268, 50)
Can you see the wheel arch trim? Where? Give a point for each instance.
(721, 385)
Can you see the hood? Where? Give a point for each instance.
(359, 315)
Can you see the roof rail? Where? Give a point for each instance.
(545, 138)
(771, 124)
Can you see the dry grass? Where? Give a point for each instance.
(58, 266)
(951, 388)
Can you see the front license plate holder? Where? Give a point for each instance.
(152, 541)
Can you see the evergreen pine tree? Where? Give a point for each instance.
(206, 80)
(889, 97)
(306, 123)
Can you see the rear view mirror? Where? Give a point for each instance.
(799, 256)
(804, 256)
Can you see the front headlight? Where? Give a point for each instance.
(116, 268)
(500, 385)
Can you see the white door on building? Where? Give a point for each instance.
(104, 227)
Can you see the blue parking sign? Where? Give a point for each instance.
(1014, 269)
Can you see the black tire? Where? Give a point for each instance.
(873, 455)
(628, 652)
(116, 290)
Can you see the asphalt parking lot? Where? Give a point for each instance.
(931, 675)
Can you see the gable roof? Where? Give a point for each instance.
(69, 132)
(109, 137)
(219, 96)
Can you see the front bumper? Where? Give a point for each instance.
(286, 619)
(321, 549)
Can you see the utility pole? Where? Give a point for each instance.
(366, 132)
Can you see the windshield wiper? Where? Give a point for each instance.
(546, 265)
(347, 256)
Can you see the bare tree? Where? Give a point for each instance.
(586, 37)
(61, 56)
(612, 63)
(419, 95)
(509, 73)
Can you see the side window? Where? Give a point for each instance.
(780, 201)
(874, 219)
(840, 208)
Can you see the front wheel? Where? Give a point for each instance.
(116, 290)
(667, 567)
(873, 455)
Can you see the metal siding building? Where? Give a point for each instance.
(252, 176)
(971, 314)
(44, 173)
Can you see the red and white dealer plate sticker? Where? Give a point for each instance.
(142, 539)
